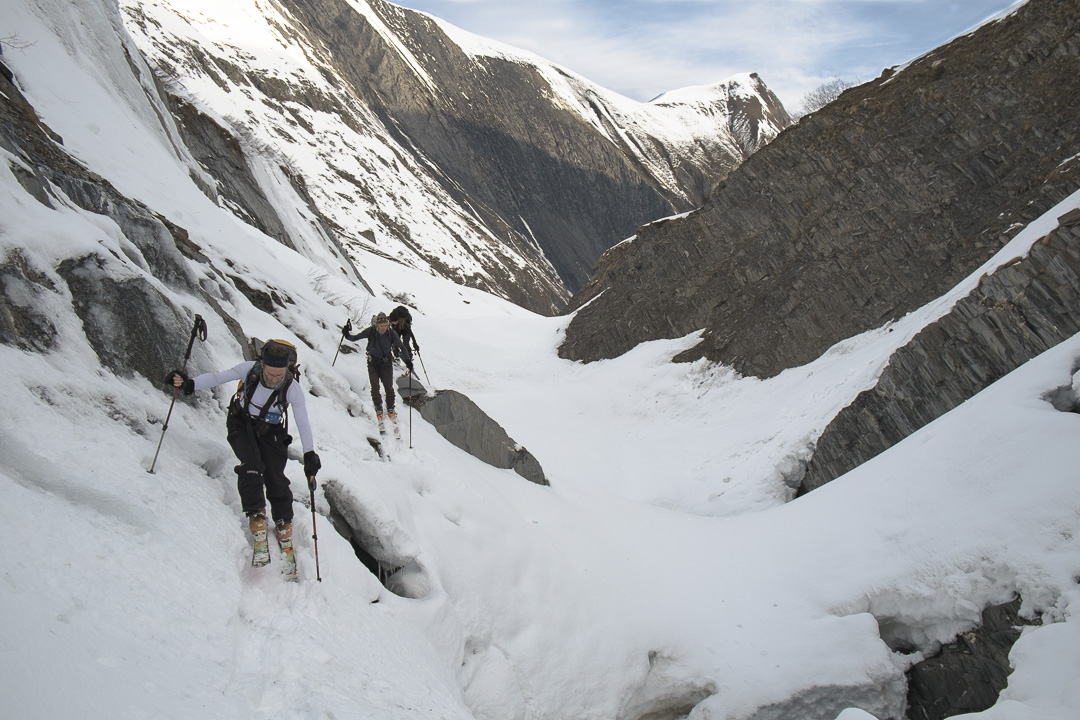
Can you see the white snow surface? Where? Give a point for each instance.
(665, 567)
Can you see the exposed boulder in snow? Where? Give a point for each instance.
(463, 423)
(968, 674)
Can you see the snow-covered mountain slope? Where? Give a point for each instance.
(417, 142)
(684, 138)
(662, 574)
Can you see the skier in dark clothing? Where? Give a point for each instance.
(258, 431)
(401, 320)
(383, 343)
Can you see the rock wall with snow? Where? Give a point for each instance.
(102, 291)
(1016, 313)
(864, 211)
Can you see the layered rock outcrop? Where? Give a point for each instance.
(864, 211)
(967, 675)
(1014, 314)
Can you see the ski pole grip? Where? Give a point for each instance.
(197, 329)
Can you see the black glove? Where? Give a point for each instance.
(415, 346)
(347, 328)
(408, 364)
(188, 385)
(311, 466)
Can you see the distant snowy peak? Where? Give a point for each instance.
(737, 115)
(746, 84)
(731, 95)
(744, 94)
(755, 114)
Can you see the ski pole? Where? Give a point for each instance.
(199, 328)
(347, 323)
(410, 408)
(424, 368)
(338, 349)
(314, 532)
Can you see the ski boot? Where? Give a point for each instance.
(283, 528)
(257, 524)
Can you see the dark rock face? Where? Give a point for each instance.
(1016, 313)
(128, 322)
(221, 154)
(967, 675)
(22, 323)
(463, 423)
(864, 211)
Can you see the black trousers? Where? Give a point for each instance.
(262, 455)
(384, 373)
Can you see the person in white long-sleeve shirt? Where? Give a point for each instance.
(258, 432)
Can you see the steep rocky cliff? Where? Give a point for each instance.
(862, 212)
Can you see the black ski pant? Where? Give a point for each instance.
(381, 372)
(262, 450)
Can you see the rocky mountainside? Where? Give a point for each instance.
(415, 141)
(1016, 313)
(864, 211)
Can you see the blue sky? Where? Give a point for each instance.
(641, 48)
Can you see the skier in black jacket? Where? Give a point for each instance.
(383, 344)
(401, 320)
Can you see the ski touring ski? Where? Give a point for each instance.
(394, 423)
(382, 423)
